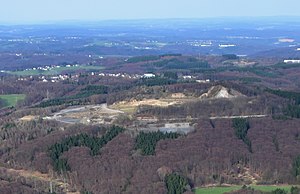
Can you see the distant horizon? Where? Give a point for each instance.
(37, 11)
(83, 21)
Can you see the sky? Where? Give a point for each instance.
(38, 11)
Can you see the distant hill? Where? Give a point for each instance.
(286, 52)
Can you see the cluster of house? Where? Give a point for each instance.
(52, 79)
(125, 75)
(190, 77)
(201, 43)
(209, 44)
(74, 77)
(59, 78)
(48, 68)
(62, 77)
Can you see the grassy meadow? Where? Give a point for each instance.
(12, 99)
(55, 71)
(221, 190)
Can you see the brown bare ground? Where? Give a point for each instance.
(28, 118)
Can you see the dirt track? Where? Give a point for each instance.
(233, 117)
(85, 114)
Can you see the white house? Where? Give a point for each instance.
(291, 61)
(187, 77)
(226, 45)
(148, 75)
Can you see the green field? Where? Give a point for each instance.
(12, 99)
(221, 190)
(55, 71)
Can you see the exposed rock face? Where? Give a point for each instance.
(220, 92)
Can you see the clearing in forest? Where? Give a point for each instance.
(12, 99)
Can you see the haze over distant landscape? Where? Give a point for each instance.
(36, 11)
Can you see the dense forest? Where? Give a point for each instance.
(94, 143)
(176, 184)
(239, 127)
(293, 108)
(147, 141)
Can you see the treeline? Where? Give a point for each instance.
(230, 56)
(92, 90)
(286, 65)
(170, 75)
(150, 58)
(293, 108)
(143, 59)
(190, 63)
(146, 142)
(155, 81)
(292, 111)
(293, 96)
(59, 101)
(171, 55)
(296, 166)
(94, 143)
(176, 184)
(241, 127)
(77, 99)
(261, 71)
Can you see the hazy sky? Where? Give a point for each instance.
(57, 10)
